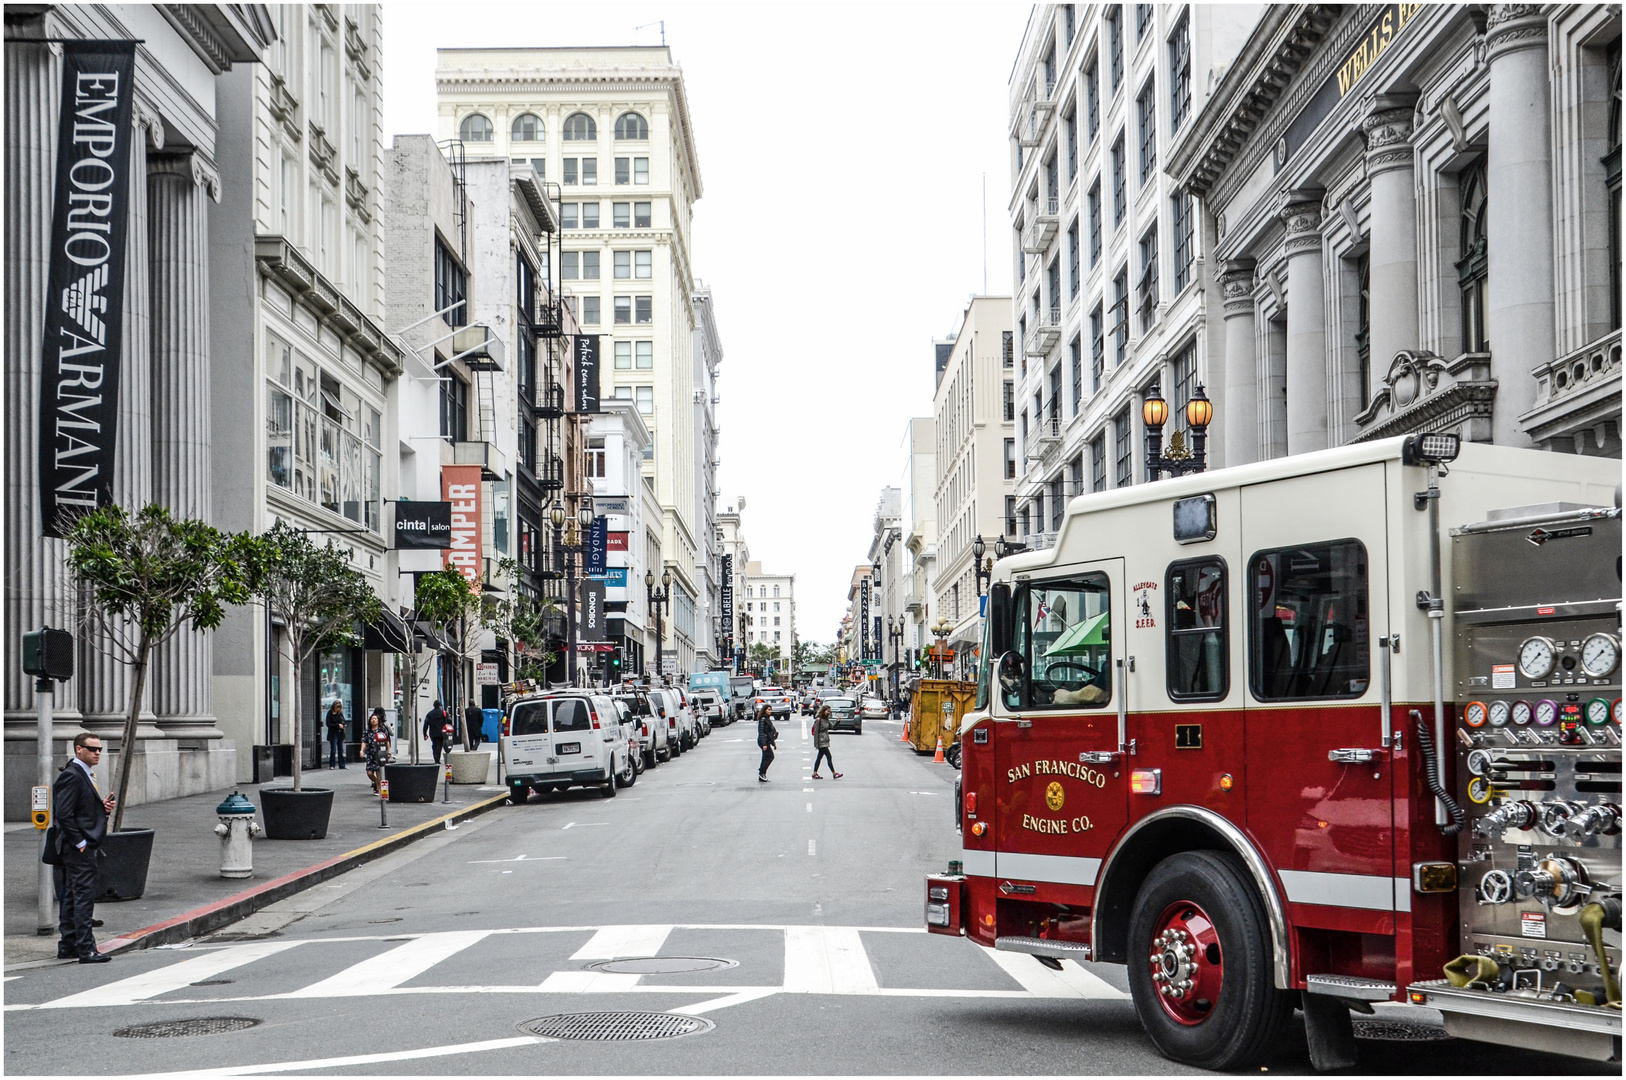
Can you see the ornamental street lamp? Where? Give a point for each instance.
(1178, 459)
(658, 600)
(894, 634)
(566, 545)
(940, 630)
(984, 572)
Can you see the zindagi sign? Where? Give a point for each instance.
(421, 526)
(84, 296)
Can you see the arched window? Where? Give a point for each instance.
(1471, 267)
(579, 127)
(527, 128)
(475, 128)
(631, 126)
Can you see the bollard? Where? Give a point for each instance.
(383, 802)
(447, 796)
(236, 830)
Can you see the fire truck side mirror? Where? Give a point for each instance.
(999, 618)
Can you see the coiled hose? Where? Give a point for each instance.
(1431, 777)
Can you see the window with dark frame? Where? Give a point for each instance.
(1611, 170)
(1123, 450)
(1010, 515)
(1092, 101)
(1472, 267)
(1310, 639)
(1009, 407)
(1197, 664)
(1115, 43)
(1184, 384)
(1072, 144)
(1077, 348)
(1098, 350)
(451, 286)
(1072, 260)
(1148, 286)
(1120, 184)
(454, 409)
(1058, 502)
(1075, 476)
(1185, 255)
(1098, 462)
(1143, 20)
(1095, 223)
(1180, 74)
(1146, 114)
(1120, 317)
(1363, 327)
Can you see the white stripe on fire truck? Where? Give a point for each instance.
(977, 863)
(1368, 891)
(1054, 869)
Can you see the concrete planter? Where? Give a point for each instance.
(412, 783)
(121, 873)
(470, 767)
(296, 815)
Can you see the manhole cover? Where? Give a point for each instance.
(176, 1029)
(1391, 1031)
(616, 1026)
(662, 965)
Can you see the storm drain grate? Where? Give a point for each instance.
(178, 1029)
(616, 1026)
(662, 965)
(1392, 1031)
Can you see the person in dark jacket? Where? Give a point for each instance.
(335, 736)
(821, 742)
(474, 722)
(434, 726)
(79, 814)
(767, 735)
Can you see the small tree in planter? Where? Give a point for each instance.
(446, 599)
(416, 677)
(139, 578)
(318, 596)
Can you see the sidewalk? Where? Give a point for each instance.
(184, 875)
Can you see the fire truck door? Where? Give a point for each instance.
(1314, 600)
(1061, 772)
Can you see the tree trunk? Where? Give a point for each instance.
(299, 725)
(131, 719)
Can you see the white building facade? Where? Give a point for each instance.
(770, 614)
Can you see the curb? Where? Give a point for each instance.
(213, 916)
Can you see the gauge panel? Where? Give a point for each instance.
(1600, 655)
(1537, 655)
(1499, 713)
(1522, 712)
(1546, 712)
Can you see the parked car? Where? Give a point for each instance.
(653, 742)
(559, 740)
(633, 728)
(708, 706)
(844, 715)
(680, 727)
(874, 709)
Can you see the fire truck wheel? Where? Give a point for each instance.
(1200, 963)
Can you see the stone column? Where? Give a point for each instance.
(105, 679)
(1519, 316)
(178, 186)
(1392, 257)
(1306, 326)
(1241, 377)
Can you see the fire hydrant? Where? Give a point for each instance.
(236, 829)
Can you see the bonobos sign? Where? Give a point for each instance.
(84, 297)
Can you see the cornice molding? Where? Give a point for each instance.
(279, 261)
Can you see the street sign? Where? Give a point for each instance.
(485, 674)
(941, 652)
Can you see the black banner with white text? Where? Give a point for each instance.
(84, 298)
(587, 381)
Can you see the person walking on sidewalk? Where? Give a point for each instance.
(80, 816)
(335, 736)
(434, 726)
(474, 721)
(767, 735)
(821, 741)
(375, 747)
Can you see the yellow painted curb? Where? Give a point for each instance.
(426, 826)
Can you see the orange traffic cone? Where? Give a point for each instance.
(938, 757)
(906, 730)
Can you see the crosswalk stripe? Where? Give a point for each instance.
(826, 960)
(389, 970)
(1071, 981)
(151, 984)
(588, 982)
(615, 942)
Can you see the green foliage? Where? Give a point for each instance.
(139, 578)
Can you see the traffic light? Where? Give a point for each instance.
(615, 662)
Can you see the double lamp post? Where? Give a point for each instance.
(564, 548)
(659, 600)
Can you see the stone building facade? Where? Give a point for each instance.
(165, 452)
(1415, 217)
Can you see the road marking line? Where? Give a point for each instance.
(174, 977)
(1040, 981)
(583, 824)
(811, 848)
(363, 1059)
(810, 808)
(826, 960)
(391, 969)
(724, 1002)
(614, 942)
(807, 789)
(588, 982)
(518, 858)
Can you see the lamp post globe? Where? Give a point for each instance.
(649, 579)
(978, 548)
(557, 514)
(1199, 410)
(1154, 410)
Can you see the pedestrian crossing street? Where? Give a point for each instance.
(761, 961)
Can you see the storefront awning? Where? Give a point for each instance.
(1078, 638)
(387, 633)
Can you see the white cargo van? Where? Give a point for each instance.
(559, 740)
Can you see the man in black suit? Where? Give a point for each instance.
(434, 727)
(474, 720)
(80, 815)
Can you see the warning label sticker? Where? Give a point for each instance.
(1533, 924)
(1502, 677)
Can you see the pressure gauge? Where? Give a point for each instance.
(1536, 657)
(1546, 712)
(1474, 714)
(1522, 712)
(1499, 713)
(1600, 654)
(1597, 712)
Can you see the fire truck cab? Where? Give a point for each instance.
(1217, 739)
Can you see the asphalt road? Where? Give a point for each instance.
(796, 904)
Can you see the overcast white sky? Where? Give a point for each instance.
(842, 149)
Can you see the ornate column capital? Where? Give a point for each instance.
(1388, 138)
(189, 165)
(1511, 27)
(1236, 282)
(1301, 214)
(148, 122)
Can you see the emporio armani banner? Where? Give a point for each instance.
(84, 309)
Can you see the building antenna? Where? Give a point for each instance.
(985, 234)
(647, 25)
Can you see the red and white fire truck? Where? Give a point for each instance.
(1303, 733)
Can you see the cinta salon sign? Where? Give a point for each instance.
(460, 486)
(423, 525)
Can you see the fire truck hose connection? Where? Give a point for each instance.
(1431, 776)
(1593, 918)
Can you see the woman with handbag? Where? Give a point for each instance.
(821, 742)
(335, 736)
(375, 747)
(767, 735)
